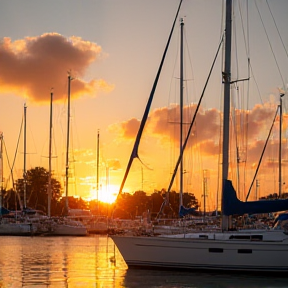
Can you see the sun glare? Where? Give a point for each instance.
(108, 195)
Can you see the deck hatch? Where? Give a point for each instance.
(245, 251)
(216, 250)
(254, 237)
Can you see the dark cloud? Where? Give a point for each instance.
(30, 67)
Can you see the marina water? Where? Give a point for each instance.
(94, 261)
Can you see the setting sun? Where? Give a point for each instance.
(106, 195)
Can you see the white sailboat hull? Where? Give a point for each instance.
(61, 227)
(16, 229)
(214, 251)
(68, 230)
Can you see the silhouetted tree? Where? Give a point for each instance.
(36, 188)
(124, 207)
(140, 203)
(10, 199)
(129, 206)
(275, 196)
(155, 201)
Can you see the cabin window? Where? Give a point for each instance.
(244, 251)
(216, 250)
(240, 237)
(203, 236)
(247, 237)
(256, 237)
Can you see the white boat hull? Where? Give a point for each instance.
(62, 227)
(16, 229)
(215, 253)
(67, 230)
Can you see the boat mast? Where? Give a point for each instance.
(2, 180)
(97, 176)
(24, 164)
(181, 113)
(280, 145)
(226, 113)
(50, 157)
(67, 147)
(134, 153)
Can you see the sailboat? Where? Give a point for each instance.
(242, 250)
(17, 225)
(60, 226)
(172, 226)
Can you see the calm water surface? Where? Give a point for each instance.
(95, 262)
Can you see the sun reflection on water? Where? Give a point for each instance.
(60, 262)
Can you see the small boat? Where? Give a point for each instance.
(63, 226)
(95, 224)
(253, 250)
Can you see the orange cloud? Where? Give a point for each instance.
(30, 67)
(127, 129)
(259, 120)
(251, 126)
(165, 123)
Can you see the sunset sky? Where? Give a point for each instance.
(113, 49)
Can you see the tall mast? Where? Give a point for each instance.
(97, 172)
(24, 162)
(181, 114)
(50, 157)
(134, 153)
(226, 112)
(1, 167)
(280, 145)
(67, 147)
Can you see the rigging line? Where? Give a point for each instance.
(10, 168)
(169, 101)
(194, 117)
(234, 120)
(188, 96)
(245, 135)
(134, 153)
(246, 115)
(219, 183)
(270, 45)
(189, 57)
(14, 160)
(243, 30)
(171, 111)
(262, 154)
(236, 46)
(248, 39)
(277, 28)
(17, 146)
(33, 140)
(256, 83)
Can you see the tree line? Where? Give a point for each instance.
(127, 206)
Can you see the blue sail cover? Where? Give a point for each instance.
(187, 211)
(282, 217)
(233, 206)
(4, 211)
